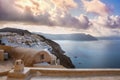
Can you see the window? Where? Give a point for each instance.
(42, 56)
(17, 63)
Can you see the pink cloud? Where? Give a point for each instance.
(96, 6)
(112, 22)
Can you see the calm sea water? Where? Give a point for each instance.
(93, 54)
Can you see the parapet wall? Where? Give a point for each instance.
(62, 72)
(4, 73)
(75, 72)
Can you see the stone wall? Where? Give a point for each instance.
(1, 55)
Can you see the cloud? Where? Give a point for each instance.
(56, 13)
(6, 9)
(98, 30)
(85, 21)
(96, 6)
(65, 4)
(111, 22)
(105, 26)
(42, 12)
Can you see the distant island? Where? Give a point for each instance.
(75, 36)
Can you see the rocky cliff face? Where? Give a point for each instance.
(57, 51)
(29, 38)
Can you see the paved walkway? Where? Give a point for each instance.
(72, 78)
(5, 65)
(3, 78)
(77, 78)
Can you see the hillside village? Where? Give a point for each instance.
(30, 50)
(27, 41)
(14, 45)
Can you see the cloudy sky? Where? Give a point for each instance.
(95, 17)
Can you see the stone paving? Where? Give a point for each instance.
(71, 78)
(5, 65)
(77, 78)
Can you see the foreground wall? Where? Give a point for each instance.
(75, 72)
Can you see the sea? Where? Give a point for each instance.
(92, 54)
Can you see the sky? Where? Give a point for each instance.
(95, 17)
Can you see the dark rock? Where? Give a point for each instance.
(75, 57)
(57, 51)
